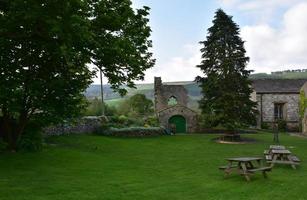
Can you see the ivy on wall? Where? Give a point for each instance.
(302, 104)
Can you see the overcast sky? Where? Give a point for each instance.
(275, 32)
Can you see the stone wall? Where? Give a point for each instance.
(164, 92)
(291, 108)
(78, 126)
(189, 115)
(164, 111)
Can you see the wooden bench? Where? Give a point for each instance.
(284, 162)
(261, 169)
(227, 167)
(266, 169)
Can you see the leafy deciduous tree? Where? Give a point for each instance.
(45, 47)
(136, 106)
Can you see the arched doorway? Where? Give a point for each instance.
(178, 124)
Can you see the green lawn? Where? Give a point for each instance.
(169, 167)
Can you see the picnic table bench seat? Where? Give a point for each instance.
(294, 158)
(227, 167)
(260, 169)
(284, 162)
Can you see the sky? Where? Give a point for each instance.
(274, 31)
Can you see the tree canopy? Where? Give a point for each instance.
(136, 106)
(225, 85)
(46, 47)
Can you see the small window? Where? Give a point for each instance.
(278, 110)
(172, 101)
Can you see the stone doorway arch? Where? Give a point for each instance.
(177, 124)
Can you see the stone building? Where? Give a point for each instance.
(278, 99)
(171, 107)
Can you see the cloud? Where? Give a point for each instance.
(259, 11)
(278, 48)
(179, 68)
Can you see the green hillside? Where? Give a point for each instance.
(112, 98)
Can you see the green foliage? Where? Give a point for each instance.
(94, 108)
(226, 86)
(3, 145)
(45, 49)
(265, 125)
(31, 140)
(282, 125)
(137, 106)
(151, 121)
(302, 104)
(121, 42)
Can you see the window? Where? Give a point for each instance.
(172, 101)
(278, 110)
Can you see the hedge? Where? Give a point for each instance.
(132, 131)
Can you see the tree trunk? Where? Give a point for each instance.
(12, 130)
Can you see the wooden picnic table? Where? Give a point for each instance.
(245, 166)
(277, 147)
(283, 156)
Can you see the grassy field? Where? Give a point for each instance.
(169, 167)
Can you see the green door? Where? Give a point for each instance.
(177, 124)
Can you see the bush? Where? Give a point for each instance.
(32, 139)
(282, 125)
(133, 132)
(3, 145)
(265, 125)
(151, 121)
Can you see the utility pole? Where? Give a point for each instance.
(101, 91)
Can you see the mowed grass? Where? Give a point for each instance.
(169, 167)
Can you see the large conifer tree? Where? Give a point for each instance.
(225, 86)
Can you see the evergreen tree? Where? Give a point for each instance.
(226, 86)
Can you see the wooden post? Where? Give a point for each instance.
(276, 132)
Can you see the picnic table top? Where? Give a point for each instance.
(281, 151)
(244, 159)
(277, 147)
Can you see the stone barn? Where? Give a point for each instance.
(278, 99)
(171, 107)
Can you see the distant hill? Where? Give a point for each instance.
(112, 98)
(281, 75)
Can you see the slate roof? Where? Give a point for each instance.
(278, 85)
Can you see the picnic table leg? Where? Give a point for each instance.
(227, 171)
(290, 159)
(273, 160)
(264, 174)
(293, 166)
(245, 173)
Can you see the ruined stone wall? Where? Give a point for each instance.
(189, 115)
(164, 111)
(164, 92)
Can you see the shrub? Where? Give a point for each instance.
(31, 140)
(3, 145)
(151, 121)
(265, 125)
(282, 125)
(133, 132)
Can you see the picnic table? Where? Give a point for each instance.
(245, 166)
(283, 156)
